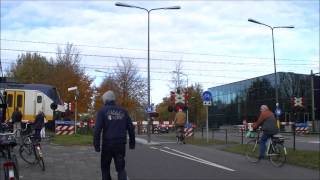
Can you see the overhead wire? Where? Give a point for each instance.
(132, 49)
(140, 58)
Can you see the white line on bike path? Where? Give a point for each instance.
(192, 158)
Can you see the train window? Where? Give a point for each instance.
(39, 99)
(10, 100)
(19, 101)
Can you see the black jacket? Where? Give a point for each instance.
(39, 121)
(114, 122)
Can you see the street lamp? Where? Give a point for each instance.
(274, 56)
(148, 11)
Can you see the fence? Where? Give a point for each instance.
(234, 135)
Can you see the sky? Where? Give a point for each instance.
(211, 40)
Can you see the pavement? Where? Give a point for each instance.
(68, 163)
(65, 163)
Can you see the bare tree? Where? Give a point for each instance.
(176, 80)
(129, 87)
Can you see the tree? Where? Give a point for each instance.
(196, 111)
(30, 68)
(128, 86)
(67, 72)
(64, 72)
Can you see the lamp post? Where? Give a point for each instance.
(274, 56)
(148, 11)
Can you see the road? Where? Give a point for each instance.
(161, 160)
(169, 161)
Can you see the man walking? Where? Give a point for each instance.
(114, 122)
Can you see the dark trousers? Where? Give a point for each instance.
(37, 134)
(116, 152)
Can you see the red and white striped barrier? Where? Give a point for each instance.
(64, 127)
(188, 132)
(64, 130)
(302, 130)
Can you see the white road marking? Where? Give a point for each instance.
(153, 147)
(192, 158)
(314, 142)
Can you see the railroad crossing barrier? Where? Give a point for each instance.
(188, 132)
(64, 127)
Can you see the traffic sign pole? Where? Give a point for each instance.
(207, 101)
(207, 124)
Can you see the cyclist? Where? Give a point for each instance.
(179, 121)
(268, 123)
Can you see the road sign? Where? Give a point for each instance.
(149, 109)
(207, 98)
(298, 102)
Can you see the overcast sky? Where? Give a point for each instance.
(213, 40)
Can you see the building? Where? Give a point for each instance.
(238, 101)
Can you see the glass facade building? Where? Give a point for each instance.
(238, 101)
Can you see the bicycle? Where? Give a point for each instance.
(276, 151)
(30, 151)
(180, 134)
(10, 165)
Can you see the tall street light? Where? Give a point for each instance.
(148, 11)
(274, 56)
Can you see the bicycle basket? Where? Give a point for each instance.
(7, 139)
(251, 134)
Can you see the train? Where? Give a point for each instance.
(30, 99)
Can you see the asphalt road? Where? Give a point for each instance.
(162, 160)
(166, 160)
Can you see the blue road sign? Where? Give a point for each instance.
(149, 109)
(206, 96)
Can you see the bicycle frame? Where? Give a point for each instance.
(275, 151)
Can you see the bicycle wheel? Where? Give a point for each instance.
(278, 155)
(252, 151)
(41, 164)
(15, 166)
(40, 158)
(27, 153)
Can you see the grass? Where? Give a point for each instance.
(77, 139)
(307, 159)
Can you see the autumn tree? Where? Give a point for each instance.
(63, 72)
(67, 72)
(129, 87)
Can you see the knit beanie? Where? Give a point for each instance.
(108, 96)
